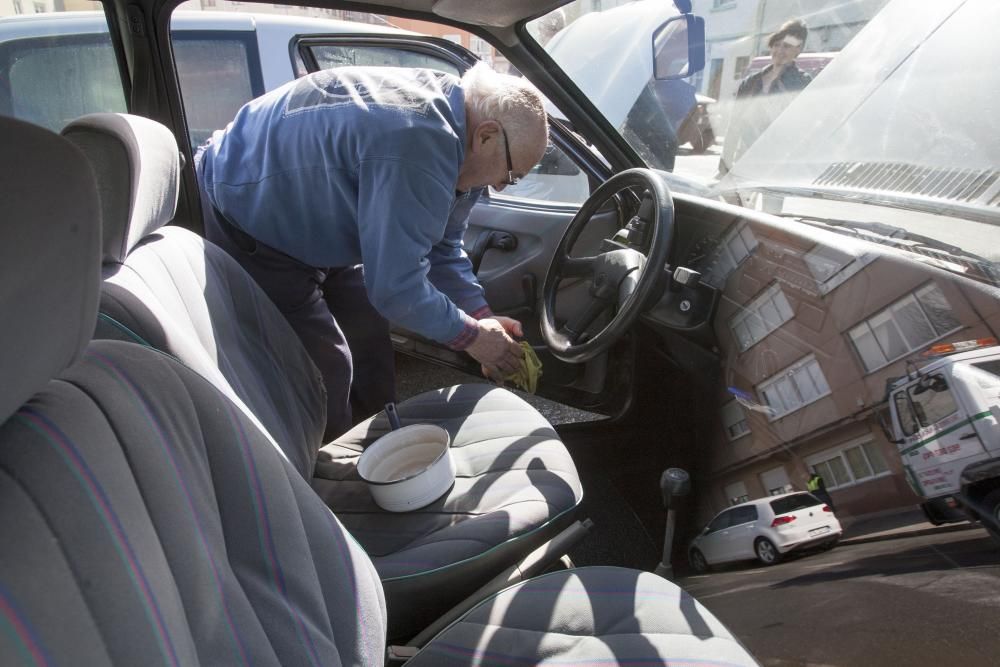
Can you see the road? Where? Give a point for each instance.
(701, 168)
(923, 600)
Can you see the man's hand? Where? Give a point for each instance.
(495, 349)
(511, 326)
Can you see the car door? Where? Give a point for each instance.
(713, 544)
(511, 235)
(740, 534)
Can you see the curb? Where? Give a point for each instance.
(901, 533)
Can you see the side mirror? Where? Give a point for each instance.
(704, 531)
(679, 47)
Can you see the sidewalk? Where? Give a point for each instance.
(893, 525)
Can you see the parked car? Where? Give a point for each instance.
(765, 529)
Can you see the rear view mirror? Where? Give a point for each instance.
(679, 47)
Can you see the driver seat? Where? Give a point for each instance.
(148, 521)
(516, 485)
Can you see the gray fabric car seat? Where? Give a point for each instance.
(147, 521)
(517, 485)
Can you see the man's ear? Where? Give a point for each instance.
(485, 135)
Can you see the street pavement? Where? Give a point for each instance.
(910, 595)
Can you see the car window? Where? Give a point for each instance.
(932, 401)
(794, 502)
(745, 514)
(556, 178)
(721, 521)
(219, 71)
(52, 80)
(339, 55)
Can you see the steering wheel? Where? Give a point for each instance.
(620, 276)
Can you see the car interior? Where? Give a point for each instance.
(168, 493)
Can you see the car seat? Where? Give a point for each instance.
(164, 286)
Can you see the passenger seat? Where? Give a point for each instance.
(168, 288)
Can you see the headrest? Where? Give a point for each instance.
(50, 244)
(137, 166)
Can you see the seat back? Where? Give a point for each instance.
(146, 520)
(171, 289)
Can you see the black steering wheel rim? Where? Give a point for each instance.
(661, 229)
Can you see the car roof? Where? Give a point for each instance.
(766, 500)
(62, 23)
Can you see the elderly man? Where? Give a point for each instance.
(345, 194)
(761, 97)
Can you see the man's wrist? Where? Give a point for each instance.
(467, 336)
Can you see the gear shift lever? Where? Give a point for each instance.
(674, 482)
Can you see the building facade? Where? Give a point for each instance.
(809, 337)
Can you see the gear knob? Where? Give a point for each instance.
(674, 482)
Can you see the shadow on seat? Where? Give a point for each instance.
(517, 485)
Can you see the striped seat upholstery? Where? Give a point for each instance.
(171, 289)
(146, 520)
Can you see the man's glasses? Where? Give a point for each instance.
(511, 179)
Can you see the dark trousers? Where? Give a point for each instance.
(329, 310)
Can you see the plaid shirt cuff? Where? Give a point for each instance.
(467, 335)
(482, 313)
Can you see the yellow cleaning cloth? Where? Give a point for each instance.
(526, 377)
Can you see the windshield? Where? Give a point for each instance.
(861, 116)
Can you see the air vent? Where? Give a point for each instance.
(970, 186)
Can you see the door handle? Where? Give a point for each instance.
(967, 436)
(489, 239)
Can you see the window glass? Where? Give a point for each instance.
(858, 463)
(795, 387)
(797, 501)
(907, 420)
(556, 178)
(720, 522)
(875, 458)
(218, 75)
(760, 317)
(932, 403)
(992, 367)
(53, 80)
(339, 55)
(744, 514)
(905, 326)
(735, 420)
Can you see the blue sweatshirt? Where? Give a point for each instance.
(358, 165)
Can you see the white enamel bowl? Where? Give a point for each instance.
(408, 468)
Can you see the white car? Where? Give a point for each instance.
(765, 529)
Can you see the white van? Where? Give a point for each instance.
(945, 420)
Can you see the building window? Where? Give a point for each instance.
(735, 247)
(907, 325)
(849, 464)
(39, 7)
(735, 420)
(481, 48)
(742, 62)
(760, 317)
(832, 267)
(795, 387)
(736, 493)
(17, 7)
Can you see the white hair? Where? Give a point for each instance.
(512, 101)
